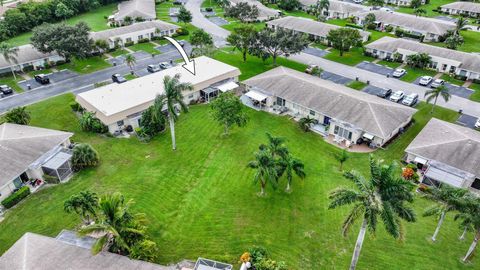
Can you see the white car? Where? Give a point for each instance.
(477, 124)
(357, 1)
(425, 80)
(397, 96)
(437, 83)
(410, 100)
(399, 72)
(386, 9)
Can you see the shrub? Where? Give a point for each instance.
(412, 166)
(143, 40)
(182, 32)
(408, 173)
(129, 43)
(352, 25)
(245, 257)
(16, 197)
(463, 78)
(76, 107)
(88, 122)
(257, 254)
(269, 264)
(84, 156)
(388, 28)
(208, 9)
(50, 179)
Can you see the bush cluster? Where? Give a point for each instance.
(16, 197)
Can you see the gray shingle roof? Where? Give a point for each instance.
(371, 114)
(263, 11)
(338, 6)
(448, 143)
(412, 22)
(114, 32)
(20, 146)
(469, 61)
(464, 6)
(37, 252)
(308, 26)
(136, 8)
(26, 54)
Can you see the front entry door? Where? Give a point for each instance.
(326, 120)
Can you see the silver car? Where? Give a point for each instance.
(437, 83)
(399, 72)
(397, 96)
(410, 100)
(425, 80)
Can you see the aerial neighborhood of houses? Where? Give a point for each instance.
(224, 134)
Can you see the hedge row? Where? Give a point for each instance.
(16, 197)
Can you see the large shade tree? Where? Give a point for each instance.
(343, 39)
(242, 38)
(228, 110)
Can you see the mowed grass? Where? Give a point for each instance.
(414, 73)
(476, 95)
(200, 199)
(357, 85)
(9, 80)
(351, 58)
(86, 65)
(427, 7)
(146, 47)
(94, 18)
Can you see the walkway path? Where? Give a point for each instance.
(218, 33)
(456, 103)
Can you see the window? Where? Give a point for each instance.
(344, 133)
(452, 69)
(280, 101)
(312, 113)
(190, 96)
(140, 37)
(120, 123)
(128, 39)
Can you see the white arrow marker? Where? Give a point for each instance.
(189, 64)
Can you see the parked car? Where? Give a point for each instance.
(477, 124)
(164, 65)
(399, 72)
(118, 78)
(357, 1)
(6, 90)
(425, 80)
(384, 92)
(397, 96)
(437, 83)
(153, 68)
(410, 100)
(310, 69)
(42, 79)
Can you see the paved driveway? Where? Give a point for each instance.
(55, 77)
(218, 34)
(316, 52)
(335, 78)
(375, 68)
(467, 120)
(455, 90)
(218, 20)
(372, 90)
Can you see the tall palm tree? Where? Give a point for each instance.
(434, 93)
(446, 199)
(173, 95)
(342, 157)
(118, 229)
(381, 197)
(289, 166)
(472, 209)
(276, 146)
(306, 123)
(131, 61)
(460, 25)
(84, 204)
(266, 170)
(466, 222)
(10, 54)
(419, 12)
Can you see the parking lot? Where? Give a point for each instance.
(335, 78)
(372, 90)
(467, 120)
(316, 52)
(375, 68)
(456, 90)
(217, 20)
(54, 78)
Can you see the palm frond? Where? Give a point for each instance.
(343, 196)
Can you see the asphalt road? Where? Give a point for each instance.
(83, 82)
(455, 103)
(218, 34)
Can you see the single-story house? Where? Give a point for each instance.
(345, 114)
(447, 153)
(337, 9)
(264, 13)
(144, 9)
(401, 2)
(27, 56)
(121, 105)
(68, 251)
(431, 29)
(135, 32)
(30, 153)
(462, 8)
(315, 30)
(444, 60)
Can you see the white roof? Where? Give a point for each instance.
(136, 8)
(133, 28)
(256, 95)
(227, 86)
(115, 98)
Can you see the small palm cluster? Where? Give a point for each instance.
(272, 161)
(111, 221)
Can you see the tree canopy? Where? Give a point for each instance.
(344, 38)
(228, 110)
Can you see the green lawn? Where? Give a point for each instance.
(339, 22)
(146, 47)
(357, 85)
(200, 199)
(351, 58)
(452, 80)
(163, 10)
(87, 65)
(95, 19)
(253, 65)
(390, 64)
(428, 7)
(118, 52)
(476, 95)
(471, 41)
(10, 81)
(414, 73)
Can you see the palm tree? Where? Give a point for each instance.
(446, 199)
(266, 170)
(322, 5)
(18, 115)
(84, 156)
(10, 54)
(472, 208)
(305, 123)
(419, 12)
(434, 93)
(131, 61)
(381, 197)
(460, 25)
(118, 229)
(342, 157)
(466, 222)
(173, 95)
(84, 204)
(275, 145)
(290, 165)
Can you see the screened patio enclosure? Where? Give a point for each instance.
(58, 166)
(206, 264)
